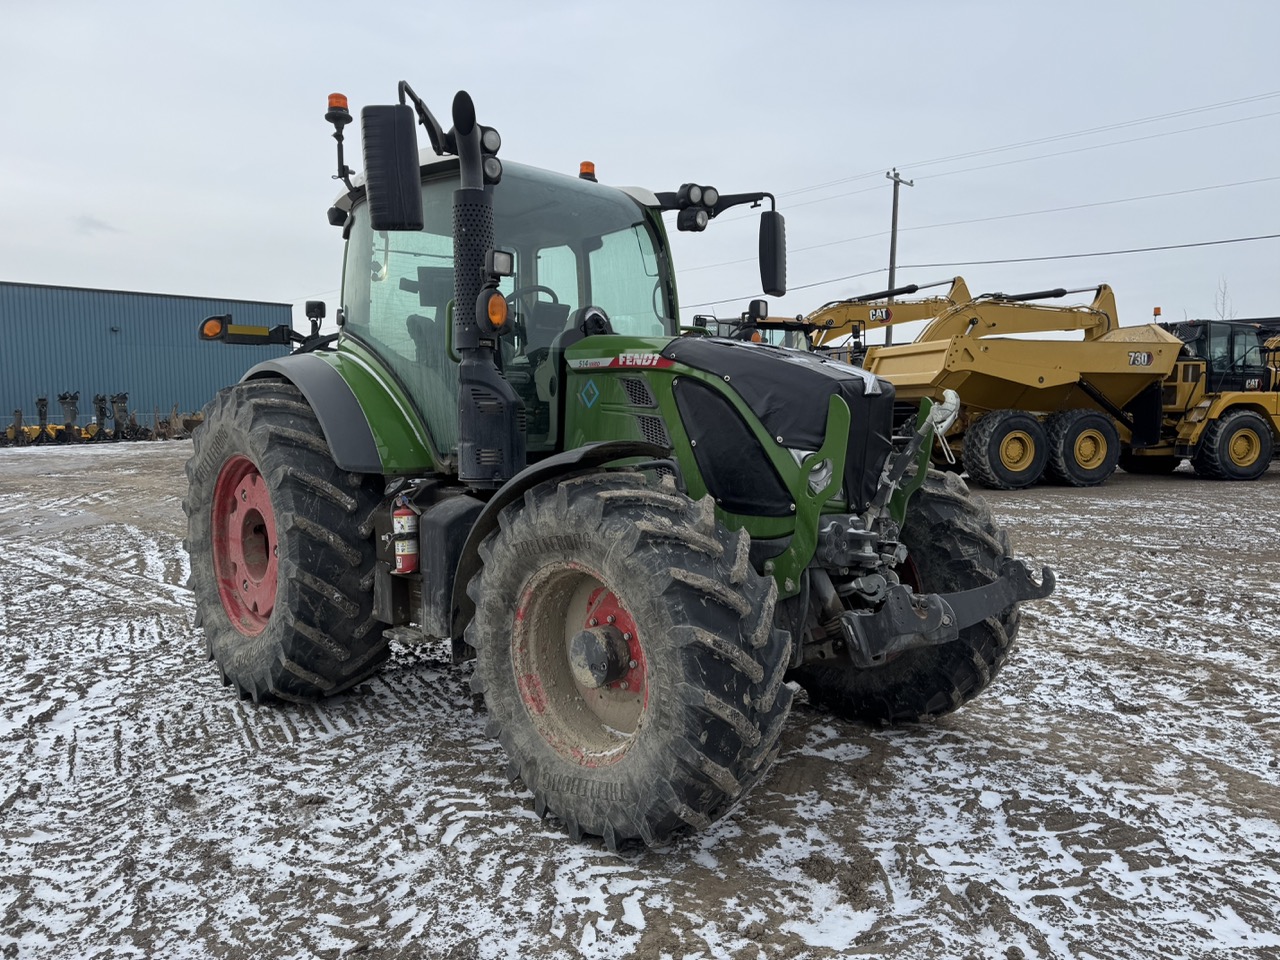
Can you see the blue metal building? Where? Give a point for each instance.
(65, 339)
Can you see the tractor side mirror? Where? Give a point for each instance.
(392, 182)
(773, 253)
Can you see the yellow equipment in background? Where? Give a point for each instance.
(1069, 410)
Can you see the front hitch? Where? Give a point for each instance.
(907, 620)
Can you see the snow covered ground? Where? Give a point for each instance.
(1115, 794)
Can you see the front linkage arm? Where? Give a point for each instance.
(907, 620)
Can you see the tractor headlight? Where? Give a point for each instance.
(693, 218)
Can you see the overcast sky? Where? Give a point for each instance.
(182, 148)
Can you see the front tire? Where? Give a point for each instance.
(954, 545)
(281, 552)
(626, 652)
(1237, 446)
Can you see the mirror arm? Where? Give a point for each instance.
(442, 143)
(736, 199)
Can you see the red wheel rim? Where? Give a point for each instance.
(591, 726)
(244, 545)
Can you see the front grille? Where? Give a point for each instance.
(905, 413)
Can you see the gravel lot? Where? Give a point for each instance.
(1115, 794)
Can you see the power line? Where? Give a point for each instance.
(1004, 216)
(1095, 203)
(1101, 253)
(1095, 146)
(975, 263)
(1019, 160)
(1049, 139)
(1042, 156)
(801, 286)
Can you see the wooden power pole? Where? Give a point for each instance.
(893, 241)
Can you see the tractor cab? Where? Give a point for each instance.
(575, 244)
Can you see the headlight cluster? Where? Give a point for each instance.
(697, 206)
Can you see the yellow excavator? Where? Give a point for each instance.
(958, 312)
(848, 320)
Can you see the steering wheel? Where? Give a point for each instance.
(517, 315)
(519, 292)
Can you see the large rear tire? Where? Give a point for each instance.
(1005, 450)
(281, 548)
(954, 545)
(1084, 447)
(1237, 446)
(626, 652)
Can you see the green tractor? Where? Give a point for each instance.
(643, 539)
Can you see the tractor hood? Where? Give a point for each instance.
(789, 391)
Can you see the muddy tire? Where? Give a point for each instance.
(1084, 448)
(1150, 466)
(1237, 446)
(1005, 450)
(627, 656)
(281, 552)
(954, 545)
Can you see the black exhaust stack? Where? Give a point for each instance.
(491, 437)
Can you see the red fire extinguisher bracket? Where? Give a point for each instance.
(404, 537)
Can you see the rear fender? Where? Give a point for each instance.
(369, 424)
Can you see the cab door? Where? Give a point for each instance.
(1235, 358)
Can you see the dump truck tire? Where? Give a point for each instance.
(1005, 450)
(281, 548)
(1237, 446)
(1084, 448)
(1156, 465)
(954, 545)
(626, 653)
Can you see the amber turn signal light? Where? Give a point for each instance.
(497, 310)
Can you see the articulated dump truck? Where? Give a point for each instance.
(1144, 398)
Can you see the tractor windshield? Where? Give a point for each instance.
(576, 243)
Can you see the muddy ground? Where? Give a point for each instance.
(1115, 793)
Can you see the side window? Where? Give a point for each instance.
(1219, 346)
(1245, 351)
(412, 286)
(546, 311)
(396, 292)
(624, 281)
(558, 269)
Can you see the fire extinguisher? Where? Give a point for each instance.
(404, 535)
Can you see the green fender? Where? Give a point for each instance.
(368, 421)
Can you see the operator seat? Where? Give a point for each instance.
(588, 321)
(546, 321)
